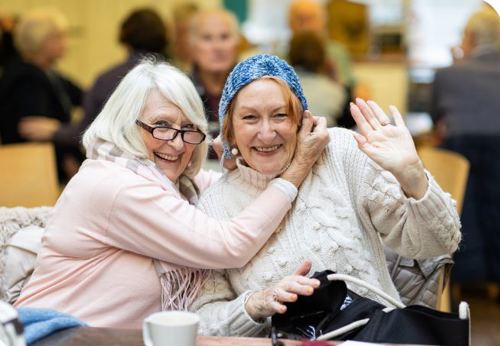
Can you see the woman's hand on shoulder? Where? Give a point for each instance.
(228, 164)
(389, 145)
(267, 302)
(311, 141)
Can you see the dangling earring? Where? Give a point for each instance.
(235, 151)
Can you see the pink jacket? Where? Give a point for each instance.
(96, 258)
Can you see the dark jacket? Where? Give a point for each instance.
(27, 90)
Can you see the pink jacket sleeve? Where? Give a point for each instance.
(150, 221)
(206, 178)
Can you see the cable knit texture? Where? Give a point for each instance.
(345, 207)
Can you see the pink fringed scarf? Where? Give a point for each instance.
(180, 285)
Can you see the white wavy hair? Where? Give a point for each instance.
(116, 122)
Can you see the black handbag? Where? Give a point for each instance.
(335, 312)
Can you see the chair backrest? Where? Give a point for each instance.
(28, 175)
(450, 170)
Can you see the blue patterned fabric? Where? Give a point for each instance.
(252, 69)
(39, 323)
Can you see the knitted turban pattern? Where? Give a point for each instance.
(252, 69)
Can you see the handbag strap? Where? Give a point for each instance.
(370, 287)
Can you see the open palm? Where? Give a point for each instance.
(389, 145)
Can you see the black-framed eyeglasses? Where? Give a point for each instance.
(167, 133)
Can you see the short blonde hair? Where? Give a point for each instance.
(35, 27)
(116, 122)
(484, 24)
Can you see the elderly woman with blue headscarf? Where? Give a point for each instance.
(367, 188)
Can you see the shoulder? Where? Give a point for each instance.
(23, 72)
(111, 77)
(100, 184)
(219, 193)
(341, 142)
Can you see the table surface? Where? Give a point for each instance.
(87, 336)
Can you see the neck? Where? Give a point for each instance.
(212, 81)
(41, 62)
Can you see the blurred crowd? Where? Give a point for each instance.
(38, 103)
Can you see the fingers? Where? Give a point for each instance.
(319, 124)
(379, 113)
(363, 125)
(368, 114)
(306, 125)
(217, 146)
(303, 268)
(361, 140)
(398, 119)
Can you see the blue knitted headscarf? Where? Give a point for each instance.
(252, 69)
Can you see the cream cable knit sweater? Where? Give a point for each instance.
(344, 208)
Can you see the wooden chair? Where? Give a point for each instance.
(451, 171)
(28, 175)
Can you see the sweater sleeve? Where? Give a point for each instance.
(146, 219)
(414, 228)
(222, 312)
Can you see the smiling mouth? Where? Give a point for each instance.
(266, 150)
(165, 157)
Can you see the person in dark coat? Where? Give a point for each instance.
(465, 110)
(142, 33)
(30, 86)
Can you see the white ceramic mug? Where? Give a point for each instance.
(176, 328)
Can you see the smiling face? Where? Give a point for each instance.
(263, 126)
(172, 157)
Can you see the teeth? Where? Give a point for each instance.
(167, 157)
(267, 149)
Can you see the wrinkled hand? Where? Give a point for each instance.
(38, 128)
(312, 139)
(389, 145)
(265, 303)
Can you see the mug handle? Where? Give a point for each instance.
(146, 335)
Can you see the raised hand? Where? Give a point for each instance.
(389, 145)
(267, 302)
(311, 141)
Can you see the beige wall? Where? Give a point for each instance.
(94, 26)
(387, 83)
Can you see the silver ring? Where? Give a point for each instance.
(384, 123)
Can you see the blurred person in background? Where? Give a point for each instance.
(466, 113)
(8, 51)
(214, 38)
(309, 15)
(31, 87)
(325, 96)
(142, 33)
(182, 18)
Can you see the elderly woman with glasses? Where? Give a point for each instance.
(367, 188)
(125, 229)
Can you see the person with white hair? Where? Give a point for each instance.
(125, 229)
(465, 109)
(142, 33)
(32, 87)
